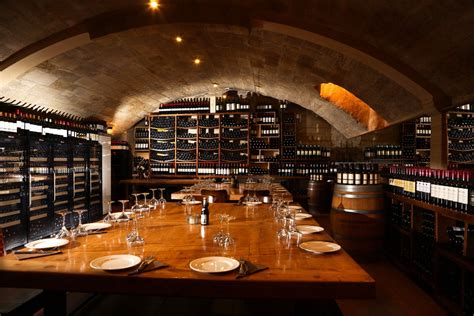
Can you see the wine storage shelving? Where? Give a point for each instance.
(420, 241)
(227, 143)
(461, 137)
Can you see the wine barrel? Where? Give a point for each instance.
(319, 197)
(358, 219)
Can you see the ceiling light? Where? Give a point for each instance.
(179, 39)
(197, 61)
(153, 4)
(215, 85)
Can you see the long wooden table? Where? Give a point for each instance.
(292, 274)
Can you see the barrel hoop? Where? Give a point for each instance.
(340, 238)
(358, 188)
(345, 210)
(359, 196)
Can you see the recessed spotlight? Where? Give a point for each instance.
(178, 39)
(197, 61)
(215, 85)
(153, 4)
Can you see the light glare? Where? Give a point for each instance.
(153, 4)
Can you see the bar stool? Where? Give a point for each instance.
(219, 196)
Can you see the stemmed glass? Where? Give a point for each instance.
(282, 213)
(123, 217)
(291, 228)
(162, 200)
(109, 217)
(135, 207)
(224, 239)
(133, 238)
(145, 207)
(79, 230)
(63, 232)
(153, 201)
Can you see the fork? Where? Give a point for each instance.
(146, 261)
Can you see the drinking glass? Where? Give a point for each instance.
(291, 229)
(145, 207)
(134, 238)
(153, 203)
(224, 239)
(162, 200)
(109, 217)
(282, 213)
(63, 232)
(135, 206)
(79, 230)
(123, 217)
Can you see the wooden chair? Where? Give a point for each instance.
(220, 196)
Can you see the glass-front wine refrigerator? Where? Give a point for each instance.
(43, 177)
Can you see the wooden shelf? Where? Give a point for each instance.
(465, 262)
(441, 251)
(441, 210)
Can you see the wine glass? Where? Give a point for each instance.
(162, 200)
(145, 207)
(79, 230)
(153, 203)
(63, 232)
(133, 238)
(123, 217)
(109, 217)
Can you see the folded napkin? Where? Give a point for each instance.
(248, 268)
(25, 254)
(150, 267)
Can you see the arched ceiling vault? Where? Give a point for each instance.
(117, 60)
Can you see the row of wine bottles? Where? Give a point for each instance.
(189, 105)
(358, 173)
(452, 189)
(36, 116)
(383, 152)
(312, 152)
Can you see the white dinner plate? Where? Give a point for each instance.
(320, 246)
(252, 203)
(190, 202)
(309, 229)
(214, 264)
(115, 262)
(299, 216)
(47, 243)
(95, 226)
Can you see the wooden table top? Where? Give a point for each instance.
(293, 273)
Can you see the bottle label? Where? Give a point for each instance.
(463, 196)
(357, 178)
(204, 219)
(419, 186)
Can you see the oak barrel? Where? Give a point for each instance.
(358, 219)
(319, 197)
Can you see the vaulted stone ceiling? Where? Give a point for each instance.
(117, 61)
